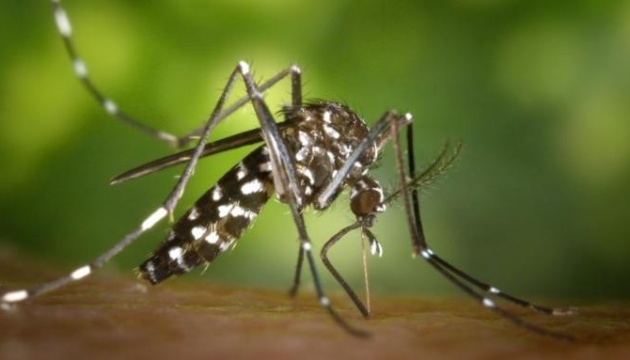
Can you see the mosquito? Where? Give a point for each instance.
(320, 150)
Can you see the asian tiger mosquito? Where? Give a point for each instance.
(321, 149)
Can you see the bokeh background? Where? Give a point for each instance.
(539, 92)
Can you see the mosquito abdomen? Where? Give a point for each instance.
(216, 221)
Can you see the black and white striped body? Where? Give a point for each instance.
(216, 220)
(320, 136)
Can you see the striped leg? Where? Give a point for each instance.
(80, 68)
(462, 280)
(287, 186)
(166, 208)
(81, 71)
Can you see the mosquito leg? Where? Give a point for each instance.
(296, 100)
(298, 273)
(296, 94)
(81, 71)
(84, 271)
(283, 166)
(324, 255)
(285, 181)
(473, 281)
(324, 301)
(64, 27)
(279, 154)
(296, 86)
(491, 290)
(421, 247)
(167, 208)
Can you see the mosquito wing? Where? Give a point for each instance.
(231, 142)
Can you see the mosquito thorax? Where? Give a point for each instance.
(322, 136)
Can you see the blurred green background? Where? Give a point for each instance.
(539, 92)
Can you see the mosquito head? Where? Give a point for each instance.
(366, 199)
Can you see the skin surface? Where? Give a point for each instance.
(111, 316)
